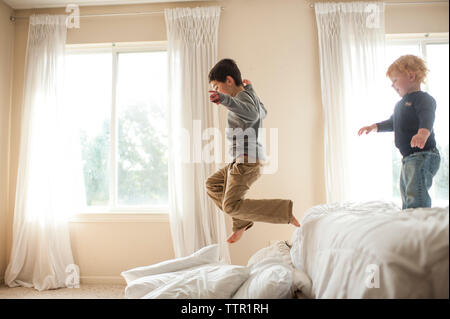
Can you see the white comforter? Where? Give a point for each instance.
(374, 250)
(269, 275)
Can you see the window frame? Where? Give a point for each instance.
(422, 39)
(124, 213)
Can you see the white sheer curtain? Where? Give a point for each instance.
(192, 49)
(351, 45)
(49, 182)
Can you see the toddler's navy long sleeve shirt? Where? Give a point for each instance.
(414, 111)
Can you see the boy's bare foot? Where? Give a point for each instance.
(236, 236)
(295, 222)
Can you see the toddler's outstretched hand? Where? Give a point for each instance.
(246, 82)
(420, 138)
(367, 129)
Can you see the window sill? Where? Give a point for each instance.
(121, 217)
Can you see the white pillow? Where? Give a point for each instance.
(205, 255)
(212, 281)
(278, 250)
(269, 279)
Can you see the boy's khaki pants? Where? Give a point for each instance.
(227, 188)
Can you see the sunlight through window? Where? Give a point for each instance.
(121, 98)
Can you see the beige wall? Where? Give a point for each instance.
(275, 45)
(417, 18)
(6, 56)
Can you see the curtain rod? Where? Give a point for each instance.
(404, 3)
(13, 18)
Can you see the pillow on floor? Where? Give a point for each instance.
(212, 281)
(205, 255)
(269, 279)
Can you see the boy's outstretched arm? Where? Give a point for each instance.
(244, 107)
(367, 129)
(385, 126)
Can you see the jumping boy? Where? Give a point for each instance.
(412, 123)
(228, 185)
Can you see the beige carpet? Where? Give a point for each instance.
(86, 291)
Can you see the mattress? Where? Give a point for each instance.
(373, 250)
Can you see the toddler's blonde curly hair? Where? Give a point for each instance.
(409, 63)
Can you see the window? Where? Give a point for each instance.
(435, 52)
(119, 92)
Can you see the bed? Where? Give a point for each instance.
(373, 250)
(345, 250)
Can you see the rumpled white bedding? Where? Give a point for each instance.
(374, 250)
(269, 274)
(198, 276)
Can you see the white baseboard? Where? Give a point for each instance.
(104, 280)
(101, 280)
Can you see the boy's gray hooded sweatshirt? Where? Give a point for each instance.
(245, 116)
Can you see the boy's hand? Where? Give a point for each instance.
(368, 129)
(214, 97)
(420, 138)
(246, 82)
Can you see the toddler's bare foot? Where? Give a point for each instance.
(236, 236)
(295, 222)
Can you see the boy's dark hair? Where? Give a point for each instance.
(222, 69)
